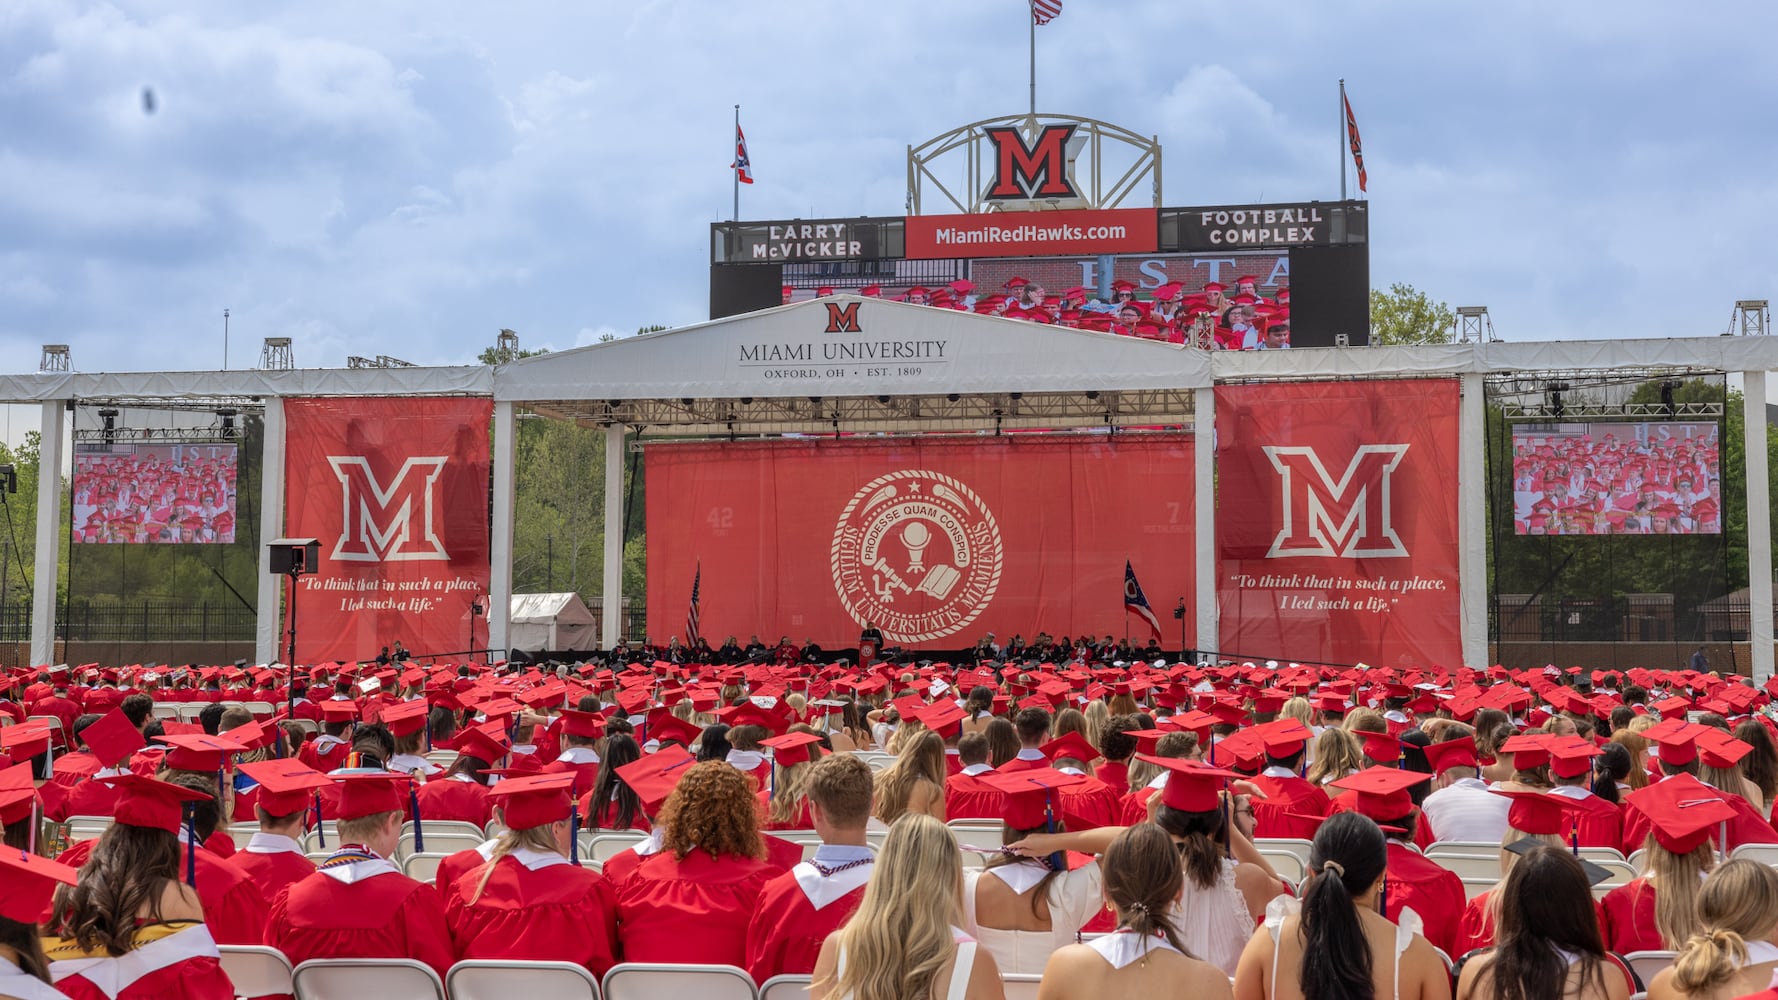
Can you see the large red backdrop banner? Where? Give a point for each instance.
(1337, 521)
(935, 540)
(397, 492)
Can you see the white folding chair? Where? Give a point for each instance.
(1636, 859)
(256, 970)
(1460, 847)
(473, 979)
(1648, 964)
(438, 843)
(357, 978)
(422, 867)
(260, 709)
(605, 846)
(1622, 873)
(87, 827)
(1286, 864)
(443, 758)
(1294, 845)
(977, 833)
(644, 981)
(1765, 854)
(446, 826)
(1478, 866)
(1020, 985)
(242, 833)
(1602, 854)
(785, 987)
(318, 856)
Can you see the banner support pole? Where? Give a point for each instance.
(1472, 520)
(504, 458)
(1204, 519)
(1345, 140)
(1759, 525)
(1033, 26)
(271, 525)
(53, 449)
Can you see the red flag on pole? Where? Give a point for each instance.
(1352, 139)
(1045, 11)
(743, 167)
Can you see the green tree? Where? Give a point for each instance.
(1405, 315)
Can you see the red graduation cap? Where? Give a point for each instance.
(1571, 758)
(1459, 752)
(1381, 747)
(654, 776)
(582, 725)
(792, 749)
(150, 803)
(26, 739)
(1031, 795)
(200, 752)
(1719, 749)
(1682, 811)
(535, 800)
(370, 793)
(478, 742)
(1529, 750)
(251, 735)
(1191, 786)
(1069, 746)
(671, 727)
(18, 792)
(1537, 812)
(942, 718)
(1383, 791)
(286, 785)
(339, 711)
(113, 738)
(27, 883)
(405, 719)
(1285, 737)
(1678, 740)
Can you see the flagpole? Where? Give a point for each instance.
(736, 217)
(1033, 13)
(1344, 138)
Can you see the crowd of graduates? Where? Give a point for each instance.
(1132, 799)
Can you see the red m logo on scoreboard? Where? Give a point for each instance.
(393, 522)
(1039, 170)
(1351, 516)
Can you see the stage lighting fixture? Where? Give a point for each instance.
(1667, 388)
(884, 400)
(953, 397)
(228, 422)
(1092, 394)
(1555, 390)
(109, 416)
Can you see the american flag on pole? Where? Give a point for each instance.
(743, 166)
(1136, 602)
(691, 613)
(1045, 11)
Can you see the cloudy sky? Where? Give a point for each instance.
(402, 177)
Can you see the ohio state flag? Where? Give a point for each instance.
(1136, 602)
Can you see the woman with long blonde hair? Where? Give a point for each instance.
(1733, 954)
(1336, 755)
(915, 783)
(529, 902)
(1658, 912)
(904, 942)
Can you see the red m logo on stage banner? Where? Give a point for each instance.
(842, 319)
(1350, 516)
(1039, 170)
(388, 523)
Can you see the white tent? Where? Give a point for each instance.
(551, 621)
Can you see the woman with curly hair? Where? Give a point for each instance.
(904, 942)
(691, 901)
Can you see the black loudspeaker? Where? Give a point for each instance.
(1330, 294)
(742, 288)
(294, 556)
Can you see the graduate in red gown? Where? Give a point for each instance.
(653, 779)
(1088, 803)
(531, 902)
(461, 793)
(358, 904)
(1596, 822)
(622, 808)
(164, 949)
(967, 796)
(579, 731)
(1293, 806)
(27, 883)
(1678, 742)
(328, 750)
(708, 874)
(796, 911)
(1683, 814)
(112, 739)
(1411, 880)
(783, 801)
(274, 858)
(1535, 819)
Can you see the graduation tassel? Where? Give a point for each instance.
(320, 830)
(1383, 896)
(413, 801)
(191, 846)
(573, 826)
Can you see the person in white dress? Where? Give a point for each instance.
(1023, 908)
(1736, 954)
(1143, 957)
(904, 940)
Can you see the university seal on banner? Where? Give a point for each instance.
(917, 553)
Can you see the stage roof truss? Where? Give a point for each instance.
(882, 414)
(1539, 412)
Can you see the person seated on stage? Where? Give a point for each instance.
(1658, 912)
(529, 902)
(915, 783)
(1337, 938)
(358, 904)
(27, 885)
(967, 796)
(783, 800)
(1549, 943)
(1144, 956)
(799, 909)
(130, 928)
(708, 873)
(1733, 955)
(904, 940)
(274, 857)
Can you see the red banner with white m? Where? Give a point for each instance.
(1337, 532)
(396, 490)
(935, 541)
